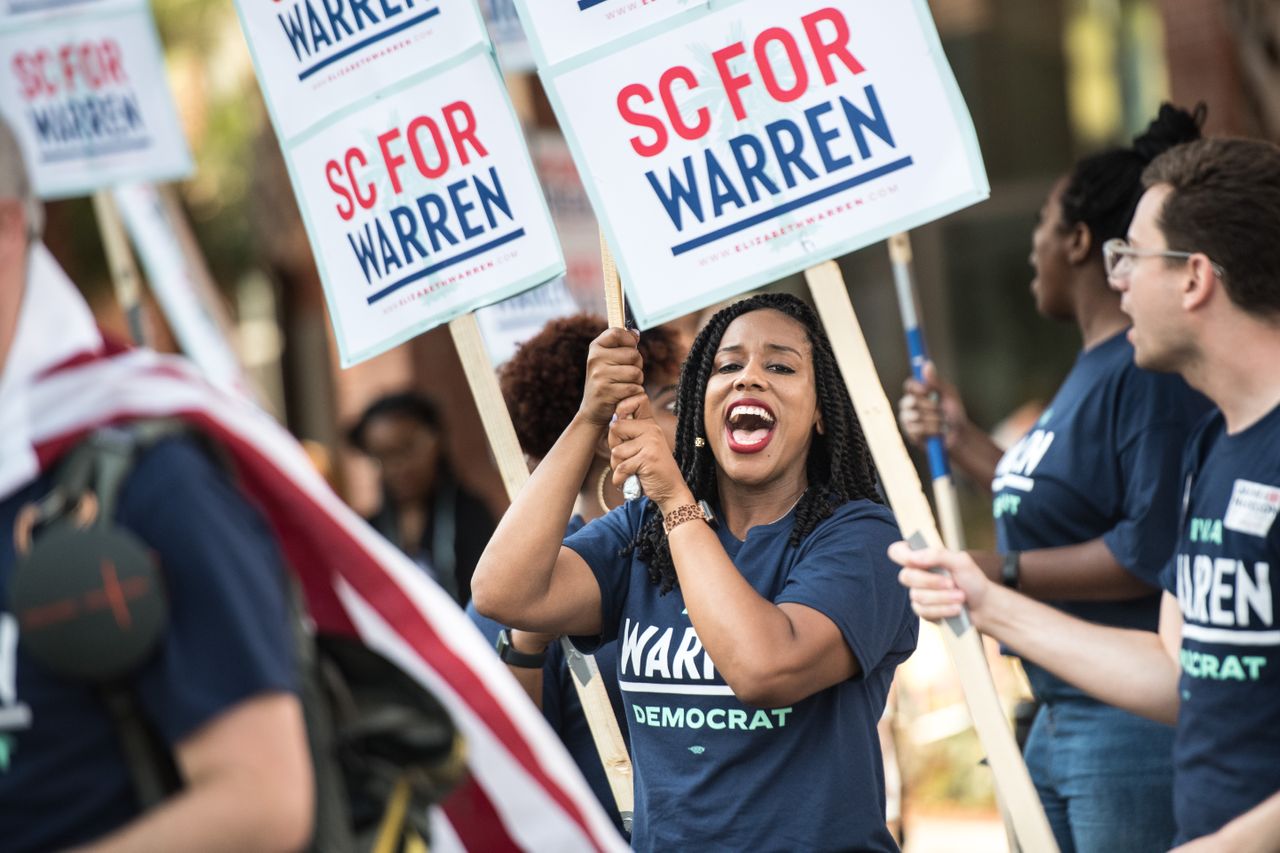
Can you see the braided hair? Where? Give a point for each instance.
(839, 465)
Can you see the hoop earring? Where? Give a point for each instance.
(604, 476)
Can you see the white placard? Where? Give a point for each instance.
(760, 138)
(176, 285)
(508, 324)
(560, 30)
(84, 90)
(575, 221)
(316, 57)
(422, 205)
(515, 54)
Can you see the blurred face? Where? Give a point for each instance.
(1049, 244)
(761, 407)
(408, 452)
(662, 394)
(13, 270)
(1150, 293)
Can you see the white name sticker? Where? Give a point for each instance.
(1253, 508)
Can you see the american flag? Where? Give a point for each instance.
(62, 380)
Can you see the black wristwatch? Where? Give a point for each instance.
(1010, 569)
(512, 656)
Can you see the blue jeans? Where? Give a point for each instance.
(1105, 777)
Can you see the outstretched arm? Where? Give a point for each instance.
(1134, 670)
(1086, 571)
(525, 578)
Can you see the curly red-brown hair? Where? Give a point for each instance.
(543, 381)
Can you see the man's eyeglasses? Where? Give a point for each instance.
(1118, 257)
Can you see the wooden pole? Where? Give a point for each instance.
(944, 488)
(906, 495)
(616, 310)
(515, 473)
(124, 270)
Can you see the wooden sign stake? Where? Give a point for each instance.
(511, 464)
(906, 495)
(124, 271)
(945, 501)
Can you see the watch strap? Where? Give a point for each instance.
(1011, 569)
(681, 514)
(512, 656)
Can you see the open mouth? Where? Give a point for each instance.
(749, 425)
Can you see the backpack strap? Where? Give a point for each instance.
(99, 467)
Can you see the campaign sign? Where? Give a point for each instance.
(84, 93)
(575, 221)
(176, 284)
(422, 205)
(315, 57)
(507, 325)
(23, 7)
(515, 55)
(563, 29)
(762, 138)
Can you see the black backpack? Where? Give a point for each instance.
(382, 746)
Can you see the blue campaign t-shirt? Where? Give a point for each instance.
(63, 776)
(712, 773)
(1102, 461)
(1226, 751)
(563, 709)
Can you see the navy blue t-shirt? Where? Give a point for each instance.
(1102, 461)
(63, 776)
(1227, 748)
(712, 773)
(562, 708)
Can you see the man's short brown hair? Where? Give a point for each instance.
(1226, 204)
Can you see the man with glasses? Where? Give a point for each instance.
(1200, 277)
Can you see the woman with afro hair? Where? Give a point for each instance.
(542, 385)
(758, 617)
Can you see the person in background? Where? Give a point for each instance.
(1086, 503)
(1199, 274)
(425, 511)
(543, 386)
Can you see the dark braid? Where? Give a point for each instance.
(839, 467)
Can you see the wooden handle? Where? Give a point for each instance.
(902, 484)
(615, 308)
(515, 473)
(124, 271)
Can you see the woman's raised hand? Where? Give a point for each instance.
(930, 408)
(615, 371)
(640, 447)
